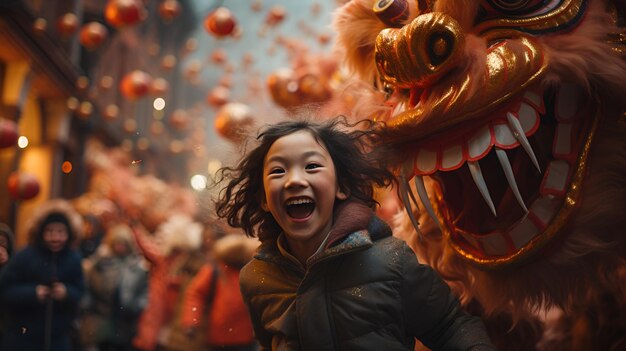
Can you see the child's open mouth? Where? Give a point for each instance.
(300, 208)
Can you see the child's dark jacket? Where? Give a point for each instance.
(364, 291)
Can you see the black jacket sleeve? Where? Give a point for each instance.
(433, 314)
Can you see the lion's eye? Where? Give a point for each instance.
(511, 7)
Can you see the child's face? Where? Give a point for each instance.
(301, 186)
(55, 236)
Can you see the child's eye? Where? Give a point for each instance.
(276, 171)
(313, 166)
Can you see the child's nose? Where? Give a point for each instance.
(295, 179)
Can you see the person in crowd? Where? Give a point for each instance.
(213, 305)
(174, 259)
(6, 250)
(42, 284)
(117, 290)
(329, 275)
(6, 244)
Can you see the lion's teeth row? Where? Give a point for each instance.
(555, 178)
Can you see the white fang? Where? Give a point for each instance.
(404, 193)
(477, 174)
(510, 177)
(519, 134)
(423, 194)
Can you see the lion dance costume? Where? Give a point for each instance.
(508, 117)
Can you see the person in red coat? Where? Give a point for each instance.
(214, 294)
(174, 240)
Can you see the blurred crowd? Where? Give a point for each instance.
(84, 285)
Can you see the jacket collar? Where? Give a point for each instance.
(355, 227)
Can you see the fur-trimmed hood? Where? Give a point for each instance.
(6, 231)
(59, 208)
(179, 232)
(235, 249)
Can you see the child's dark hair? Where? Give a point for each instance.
(357, 165)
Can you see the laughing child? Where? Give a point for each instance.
(329, 275)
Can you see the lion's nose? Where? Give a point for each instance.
(421, 51)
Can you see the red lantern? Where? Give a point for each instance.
(67, 25)
(220, 22)
(159, 87)
(8, 133)
(233, 121)
(179, 120)
(283, 87)
(111, 112)
(135, 84)
(218, 56)
(92, 35)
(169, 9)
(22, 185)
(168, 62)
(275, 16)
(218, 96)
(121, 13)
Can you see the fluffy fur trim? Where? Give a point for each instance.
(61, 206)
(235, 249)
(179, 232)
(357, 27)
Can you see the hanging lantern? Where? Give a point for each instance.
(85, 109)
(176, 147)
(312, 88)
(92, 35)
(323, 38)
(218, 96)
(159, 87)
(191, 45)
(40, 25)
(111, 112)
(22, 185)
(233, 121)
(67, 25)
(168, 62)
(193, 69)
(157, 128)
(129, 126)
(122, 13)
(106, 82)
(135, 84)
(8, 133)
(276, 15)
(169, 9)
(218, 56)
(179, 120)
(226, 81)
(283, 87)
(220, 22)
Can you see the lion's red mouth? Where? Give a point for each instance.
(499, 190)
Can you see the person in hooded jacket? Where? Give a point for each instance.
(41, 286)
(6, 250)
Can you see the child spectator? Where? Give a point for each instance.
(329, 275)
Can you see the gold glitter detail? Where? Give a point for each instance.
(510, 69)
